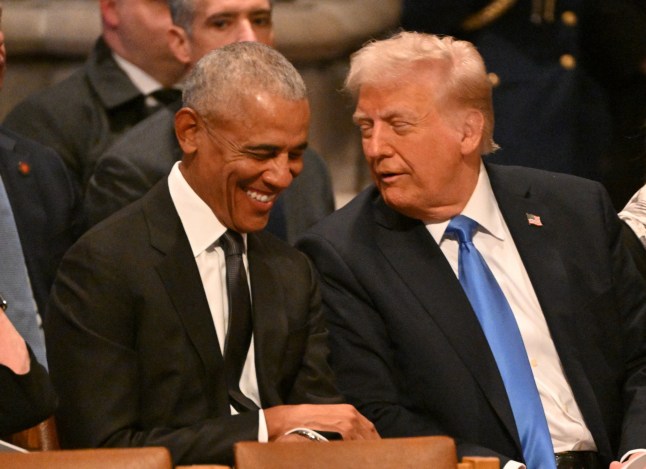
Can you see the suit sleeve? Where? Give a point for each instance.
(362, 354)
(315, 381)
(116, 182)
(101, 372)
(25, 400)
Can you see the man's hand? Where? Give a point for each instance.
(13, 350)
(340, 418)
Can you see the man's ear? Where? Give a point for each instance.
(186, 130)
(109, 13)
(472, 130)
(179, 44)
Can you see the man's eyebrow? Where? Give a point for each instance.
(234, 13)
(265, 147)
(385, 116)
(359, 116)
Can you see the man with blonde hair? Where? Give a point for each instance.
(493, 304)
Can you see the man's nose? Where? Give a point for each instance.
(376, 145)
(246, 32)
(283, 170)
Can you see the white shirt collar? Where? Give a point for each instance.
(200, 223)
(481, 207)
(142, 81)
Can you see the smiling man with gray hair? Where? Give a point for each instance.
(154, 338)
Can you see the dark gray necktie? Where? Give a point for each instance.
(238, 339)
(14, 282)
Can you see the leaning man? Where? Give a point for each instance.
(494, 304)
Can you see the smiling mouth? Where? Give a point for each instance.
(264, 198)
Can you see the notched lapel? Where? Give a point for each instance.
(546, 269)
(269, 318)
(418, 260)
(537, 249)
(179, 274)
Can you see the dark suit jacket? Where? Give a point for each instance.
(44, 204)
(25, 400)
(132, 347)
(146, 154)
(408, 349)
(82, 115)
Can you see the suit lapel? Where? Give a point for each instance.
(546, 269)
(269, 318)
(420, 263)
(179, 274)
(535, 244)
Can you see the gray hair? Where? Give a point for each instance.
(225, 75)
(460, 67)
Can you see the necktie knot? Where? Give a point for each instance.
(232, 243)
(463, 227)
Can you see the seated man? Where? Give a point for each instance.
(144, 155)
(39, 221)
(493, 304)
(153, 339)
(119, 85)
(26, 395)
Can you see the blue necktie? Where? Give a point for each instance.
(499, 326)
(14, 282)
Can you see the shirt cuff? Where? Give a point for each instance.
(514, 465)
(263, 433)
(631, 452)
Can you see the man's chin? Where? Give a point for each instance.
(251, 225)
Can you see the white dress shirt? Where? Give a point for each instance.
(203, 230)
(634, 213)
(145, 83)
(493, 240)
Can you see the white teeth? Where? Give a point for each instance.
(261, 197)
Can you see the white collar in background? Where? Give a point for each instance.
(142, 81)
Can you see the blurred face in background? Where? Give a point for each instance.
(137, 30)
(221, 22)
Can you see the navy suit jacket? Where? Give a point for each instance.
(45, 206)
(408, 349)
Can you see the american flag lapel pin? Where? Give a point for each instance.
(534, 219)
